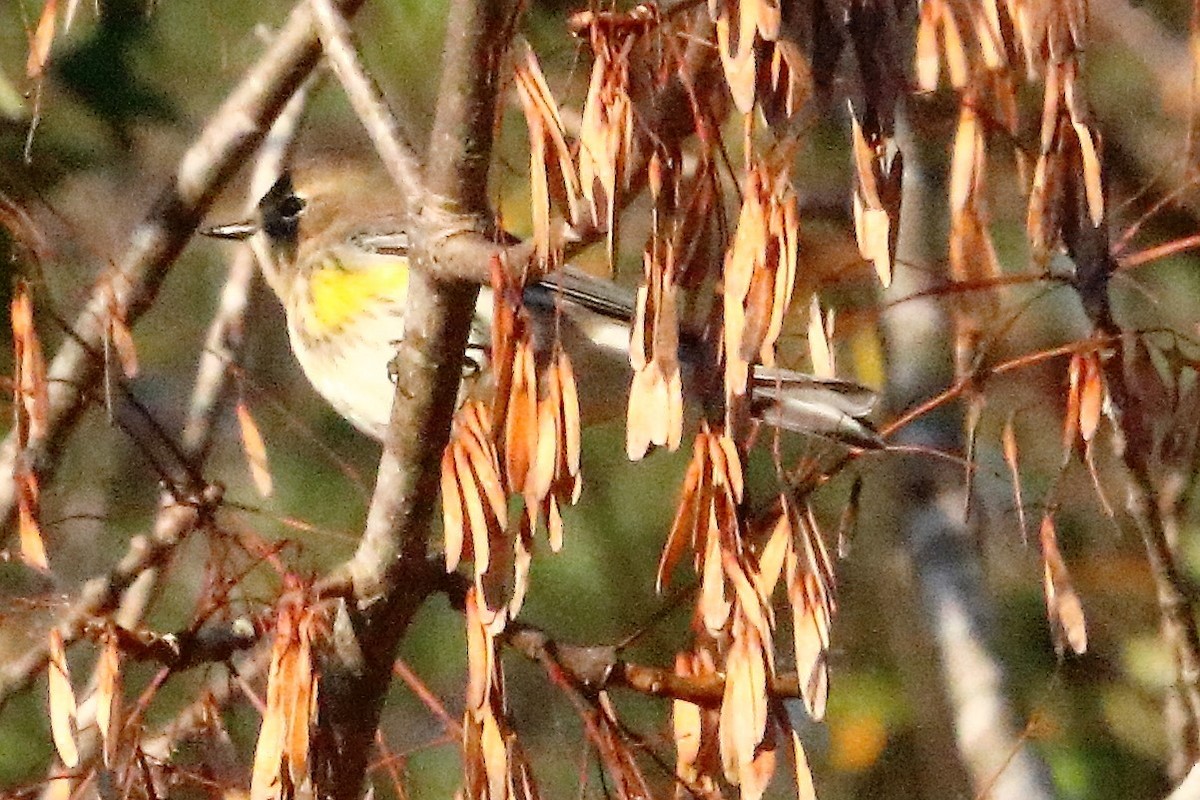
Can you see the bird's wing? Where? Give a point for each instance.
(597, 295)
(390, 244)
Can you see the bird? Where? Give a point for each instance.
(336, 253)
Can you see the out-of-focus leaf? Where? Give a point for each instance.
(1063, 607)
(62, 702)
(255, 449)
(43, 37)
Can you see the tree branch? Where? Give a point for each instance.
(224, 144)
(127, 588)
(389, 571)
(180, 650)
(101, 595)
(398, 157)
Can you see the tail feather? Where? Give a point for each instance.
(826, 407)
(793, 401)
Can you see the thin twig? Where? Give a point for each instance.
(101, 595)
(382, 126)
(431, 700)
(598, 667)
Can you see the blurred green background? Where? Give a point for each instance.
(129, 88)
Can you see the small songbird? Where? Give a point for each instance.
(336, 255)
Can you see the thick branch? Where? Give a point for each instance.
(1171, 585)
(460, 146)
(664, 117)
(209, 644)
(389, 570)
(1089, 247)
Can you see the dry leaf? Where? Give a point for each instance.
(810, 594)
(108, 695)
(480, 453)
(928, 64)
(756, 776)
(744, 705)
(655, 414)
(789, 83)
(972, 256)
(805, 789)
(606, 132)
(1091, 395)
(495, 755)
(40, 41)
(686, 725)
(713, 604)
(572, 428)
(1074, 397)
(952, 48)
(453, 528)
(490, 750)
(522, 561)
(1063, 607)
(281, 754)
(33, 548)
(685, 527)
(740, 71)
(1092, 180)
(552, 167)
(753, 606)
(819, 342)
(760, 269)
(521, 421)
(1008, 440)
(32, 394)
(62, 702)
(878, 171)
(773, 556)
(58, 788)
(480, 654)
(476, 510)
(255, 449)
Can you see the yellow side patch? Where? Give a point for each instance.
(339, 295)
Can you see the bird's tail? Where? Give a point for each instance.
(793, 401)
(826, 407)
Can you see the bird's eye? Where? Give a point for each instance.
(281, 209)
(291, 207)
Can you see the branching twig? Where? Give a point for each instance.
(224, 144)
(217, 693)
(126, 591)
(100, 595)
(209, 644)
(1090, 249)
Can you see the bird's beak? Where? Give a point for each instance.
(236, 231)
